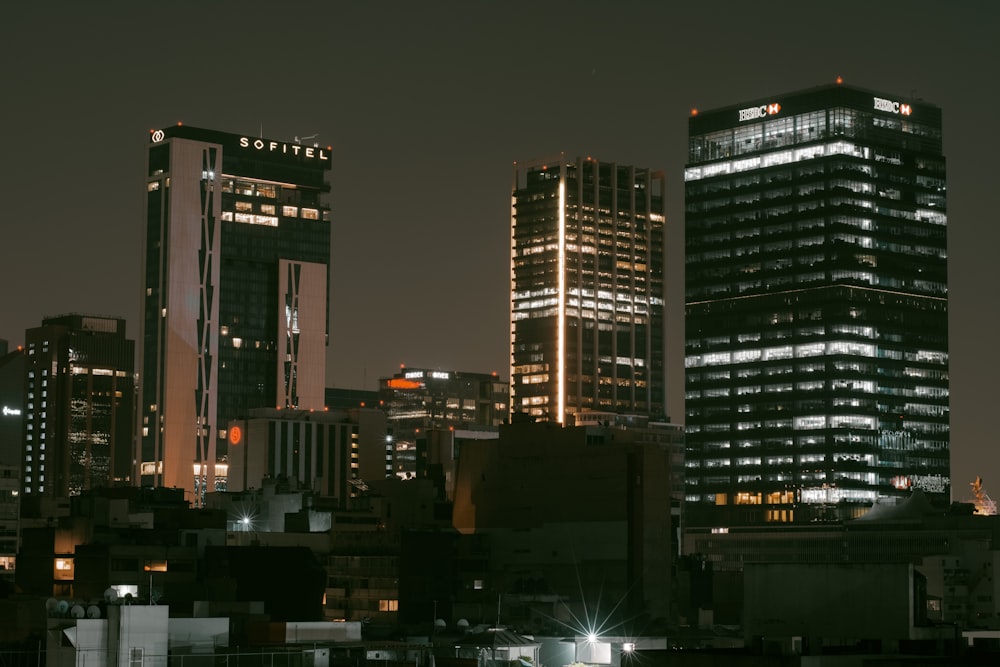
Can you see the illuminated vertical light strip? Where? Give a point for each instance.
(514, 394)
(561, 354)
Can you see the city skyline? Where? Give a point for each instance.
(440, 99)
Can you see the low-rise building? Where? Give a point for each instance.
(573, 515)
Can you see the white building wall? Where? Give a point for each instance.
(306, 317)
(187, 278)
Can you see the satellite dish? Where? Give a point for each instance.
(462, 623)
(93, 611)
(77, 611)
(62, 606)
(110, 595)
(439, 623)
(128, 598)
(51, 605)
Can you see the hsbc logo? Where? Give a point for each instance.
(753, 113)
(882, 104)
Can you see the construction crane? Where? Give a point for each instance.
(985, 506)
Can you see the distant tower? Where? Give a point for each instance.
(235, 303)
(418, 400)
(587, 289)
(79, 384)
(817, 307)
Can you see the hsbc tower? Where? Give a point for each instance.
(816, 345)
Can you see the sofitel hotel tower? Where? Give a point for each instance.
(817, 307)
(235, 297)
(587, 291)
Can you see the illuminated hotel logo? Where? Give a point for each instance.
(157, 136)
(882, 104)
(11, 412)
(285, 149)
(753, 113)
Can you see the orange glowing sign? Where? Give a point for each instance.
(235, 435)
(402, 383)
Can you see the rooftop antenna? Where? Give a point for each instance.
(299, 140)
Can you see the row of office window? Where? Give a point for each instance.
(802, 128)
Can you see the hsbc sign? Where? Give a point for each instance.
(882, 104)
(753, 113)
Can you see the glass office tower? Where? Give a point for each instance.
(817, 307)
(587, 289)
(79, 390)
(237, 250)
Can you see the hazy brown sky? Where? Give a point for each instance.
(426, 104)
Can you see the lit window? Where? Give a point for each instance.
(158, 565)
(290, 211)
(310, 214)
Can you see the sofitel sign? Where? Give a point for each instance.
(882, 104)
(11, 412)
(266, 146)
(753, 113)
(285, 149)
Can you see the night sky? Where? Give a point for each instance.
(426, 106)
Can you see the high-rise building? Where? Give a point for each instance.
(235, 302)
(12, 406)
(78, 416)
(817, 307)
(587, 290)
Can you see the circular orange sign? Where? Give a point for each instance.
(235, 435)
